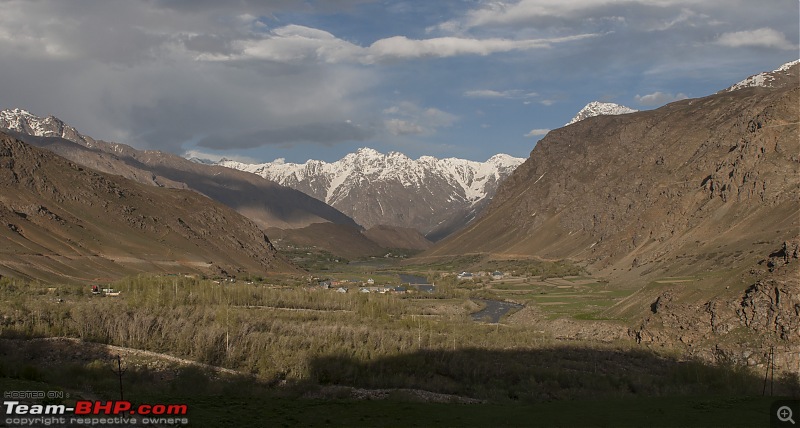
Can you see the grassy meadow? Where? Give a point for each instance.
(286, 342)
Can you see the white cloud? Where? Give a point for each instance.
(659, 98)
(509, 94)
(524, 12)
(401, 47)
(292, 43)
(296, 43)
(168, 73)
(762, 37)
(407, 118)
(537, 132)
(403, 127)
(685, 16)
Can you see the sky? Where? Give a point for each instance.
(258, 80)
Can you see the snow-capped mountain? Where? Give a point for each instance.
(787, 73)
(597, 108)
(393, 189)
(25, 122)
(266, 203)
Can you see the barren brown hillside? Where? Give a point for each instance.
(692, 209)
(710, 182)
(398, 237)
(63, 222)
(267, 203)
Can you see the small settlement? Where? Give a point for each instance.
(369, 286)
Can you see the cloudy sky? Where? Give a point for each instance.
(261, 80)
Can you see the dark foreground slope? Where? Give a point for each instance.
(63, 222)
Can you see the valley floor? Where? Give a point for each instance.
(287, 351)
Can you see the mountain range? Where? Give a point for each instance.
(434, 196)
(65, 223)
(691, 208)
(266, 203)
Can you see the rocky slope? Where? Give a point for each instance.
(716, 328)
(266, 203)
(434, 196)
(633, 189)
(680, 204)
(397, 237)
(60, 221)
(597, 108)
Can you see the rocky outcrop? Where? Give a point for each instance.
(738, 329)
(772, 307)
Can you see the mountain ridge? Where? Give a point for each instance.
(591, 222)
(367, 185)
(267, 203)
(64, 222)
(768, 79)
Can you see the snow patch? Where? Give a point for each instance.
(470, 180)
(764, 79)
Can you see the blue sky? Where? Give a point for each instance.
(260, 80)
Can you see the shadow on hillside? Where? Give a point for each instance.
(532, 375)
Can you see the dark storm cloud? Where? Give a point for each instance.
(322, 133)
(130, 71)
(209, 43)
(259, 6)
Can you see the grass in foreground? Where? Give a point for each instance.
(253, 406)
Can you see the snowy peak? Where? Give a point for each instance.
(785, 74)
(376, 188)
(394, 166)
(597, 108)
(25, 122)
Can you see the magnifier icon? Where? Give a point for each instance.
(785, 414)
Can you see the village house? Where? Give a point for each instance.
(466, 276)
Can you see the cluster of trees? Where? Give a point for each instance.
(300, 335)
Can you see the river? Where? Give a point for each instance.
(494, 310)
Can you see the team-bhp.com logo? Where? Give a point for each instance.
(94, 413)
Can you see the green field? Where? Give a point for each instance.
(286, 342)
